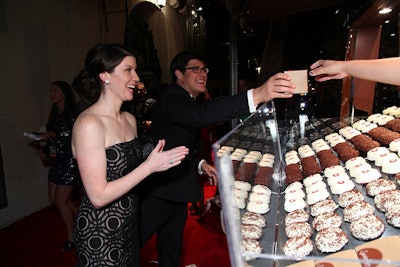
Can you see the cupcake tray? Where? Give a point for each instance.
(352, 243)
(274, 237)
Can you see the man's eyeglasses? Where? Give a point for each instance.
(198, 70)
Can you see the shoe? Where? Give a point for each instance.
(68, 246)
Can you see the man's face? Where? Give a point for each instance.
(194, 83)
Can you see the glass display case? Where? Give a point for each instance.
(262, 142)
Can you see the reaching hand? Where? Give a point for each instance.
(277, 86)
(160, 160)
(325, 70)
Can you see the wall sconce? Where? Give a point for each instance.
(161, 3)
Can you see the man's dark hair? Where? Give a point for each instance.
(181, 60)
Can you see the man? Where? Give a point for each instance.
(177, 118)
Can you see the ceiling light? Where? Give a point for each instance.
(385, 10)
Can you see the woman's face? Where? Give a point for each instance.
(124, 78)
(56, 95)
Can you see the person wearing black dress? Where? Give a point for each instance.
(112, 160)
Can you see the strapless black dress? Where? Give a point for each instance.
(109, 236)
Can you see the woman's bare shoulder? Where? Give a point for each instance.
(88, 121)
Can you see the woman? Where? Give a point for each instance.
(111, 160)
(63, 173)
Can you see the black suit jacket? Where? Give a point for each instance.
(177, 118)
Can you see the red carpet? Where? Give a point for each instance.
(36, 241)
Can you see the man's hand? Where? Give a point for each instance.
(279, 85)
(210, 171)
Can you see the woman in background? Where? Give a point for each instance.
(63, 175)
(111, 159)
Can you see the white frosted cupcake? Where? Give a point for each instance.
(384, 119)
(385, 157)
(357, 169)
(237, 156)
(390, 110)
(254, 196)
(341, 186)
(349, 132)
(309, 180)
(241, 151)
(255, 153)
(242, 185)
(260, 207)
(261, 189)
(337, 140)
(321, 147)
(317, 195)
(266, 162)
(343, 131)
(364, 126)
(293, 186)
(268, 156)
(305, 151)
(368, 126)
(331, 136)
(297, 193)
(227, 148)
(315, 187)
(329, 171)
(294, 204)
(367, 176)
(394, 146)
(240, 202)
(291, 153)
(359, 124)
(392, 166)
(337, 177)
(250, 158)
(374, 153)
(241, 193)
(374, 117)
(294, 159)
(354, 162)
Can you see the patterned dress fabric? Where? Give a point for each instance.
(109, 236)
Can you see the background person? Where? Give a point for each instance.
(63, 175)
(111, 159)
(177, 118)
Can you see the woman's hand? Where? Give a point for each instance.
(160, 160)
(325, 70)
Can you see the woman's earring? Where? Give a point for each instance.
(107, 81)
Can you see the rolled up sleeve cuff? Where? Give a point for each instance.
(250, 101)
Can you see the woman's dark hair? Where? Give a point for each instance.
(181, 60)
(101, 58)
(69, 102)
